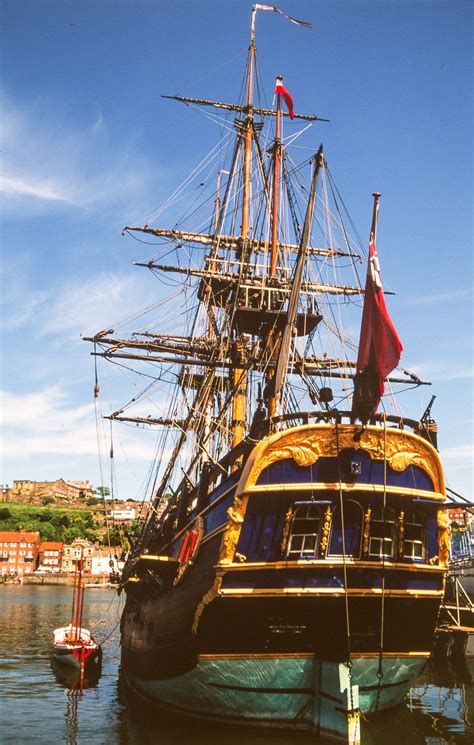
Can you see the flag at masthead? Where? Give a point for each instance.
(281, 90)
(379, 345)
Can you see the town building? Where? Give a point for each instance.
(459, 515)
(50, 556)
(35, 492)
(78, 549)
(122, 514)
(106, 561)
(18, 552)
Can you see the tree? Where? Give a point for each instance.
(5, 513)
(104, 491)
(48, 532)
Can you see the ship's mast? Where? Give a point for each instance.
(272, 338)
(240, 375)
(276, 188)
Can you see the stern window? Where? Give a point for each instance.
(303, 541)
(353, 516)
(382, 533)
(413, 543)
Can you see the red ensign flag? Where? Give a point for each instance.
(280, 88)
(379, 345)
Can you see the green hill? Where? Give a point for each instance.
(53, 524)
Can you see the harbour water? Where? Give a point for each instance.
(38, 705)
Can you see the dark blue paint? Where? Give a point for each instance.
(322, 577)
(353, 519)
(217, 514)
(328, 470)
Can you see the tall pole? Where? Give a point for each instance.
(373, 231)
(248, 133)
(78, 605)
(272, 337)
(74, 593)
(276, 188)
(239, 376)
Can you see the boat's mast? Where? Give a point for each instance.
(276, 189)
(248, 132)
(74, 593)
(240, 374)
(79, 599)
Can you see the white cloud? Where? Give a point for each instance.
(45, 423)
(17, 187)
(72, 307)
(47, 161)
(459, 452)
(442, 370)
(440, 297)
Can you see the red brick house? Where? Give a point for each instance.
(50, 556)
(18, 552)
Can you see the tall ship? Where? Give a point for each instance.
(291, 565)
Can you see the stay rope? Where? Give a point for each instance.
(346, 594)
(380, 673)
(98, 417)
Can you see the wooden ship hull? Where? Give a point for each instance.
(254, 612)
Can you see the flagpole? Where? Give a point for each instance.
(273, 335)
(373, 231)
(276, 186)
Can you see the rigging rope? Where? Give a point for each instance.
(380, 672)
(343, 536)
(98, 418)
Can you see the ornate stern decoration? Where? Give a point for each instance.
(443, 538)
(232, 534)
(306, 445)
(286, 530)
(366, 534)
(401, 532)
(325, 532)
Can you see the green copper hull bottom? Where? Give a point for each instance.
(284, 691)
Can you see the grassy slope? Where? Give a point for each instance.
(53, 523)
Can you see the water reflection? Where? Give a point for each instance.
(71, 678)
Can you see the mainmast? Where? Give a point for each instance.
(273, 336)
(240, 375)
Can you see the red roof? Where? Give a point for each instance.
(51, 546)
(15, 537)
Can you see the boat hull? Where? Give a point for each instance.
(279, 691)
(71, 656)
(274, 661)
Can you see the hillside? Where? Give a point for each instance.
(55, 524)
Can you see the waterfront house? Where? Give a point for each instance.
(106, 561)
(72, 552)
(18, 552)
(50, 556)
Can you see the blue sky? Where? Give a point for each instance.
(88, 145)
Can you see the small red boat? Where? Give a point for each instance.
(73, 644)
